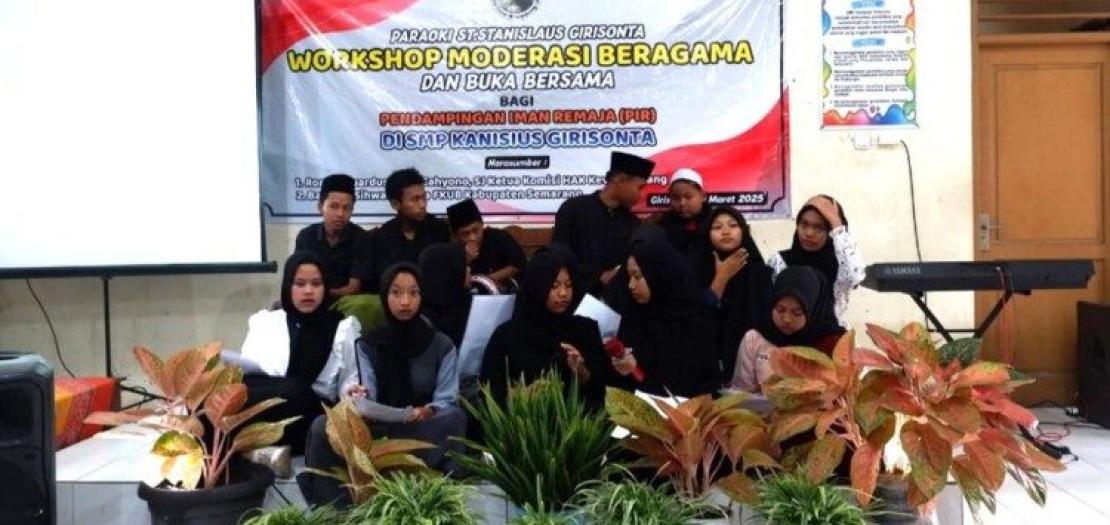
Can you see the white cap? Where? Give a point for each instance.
(688, 175)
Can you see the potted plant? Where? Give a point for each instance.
(813, 392)
(694, 442)
(542, 516)
(957, 415)
(292, 515)
(540, 446)
(405, 499)
(630, 502)
(366, 458)
(187, 455)
(789, 498)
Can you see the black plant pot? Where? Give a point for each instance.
(894, 503)
(222, 505)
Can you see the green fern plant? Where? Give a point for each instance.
(542, 516)
(792, 499)
(543, 442)
(292, 515)
(415, 499)
(634, 503)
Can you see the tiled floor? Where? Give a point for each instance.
(1078, 496)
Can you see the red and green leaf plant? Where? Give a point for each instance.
(194, 383)
(367, 459)
(813, 392)
(960, 420)
(693, 441)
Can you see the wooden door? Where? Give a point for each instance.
(1043, 183)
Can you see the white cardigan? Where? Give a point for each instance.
(267, 346)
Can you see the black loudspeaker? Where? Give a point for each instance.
(1094, 370)
(26, 440)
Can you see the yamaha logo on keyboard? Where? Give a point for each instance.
(904, 270)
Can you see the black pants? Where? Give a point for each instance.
(299, 398)
(436, 430)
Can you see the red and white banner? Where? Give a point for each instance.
(517, 103)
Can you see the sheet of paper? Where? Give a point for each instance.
(487, 312)
(383, 413)
(607, 320)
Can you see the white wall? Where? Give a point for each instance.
(874, 185)
(167, 313)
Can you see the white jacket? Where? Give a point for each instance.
(267, 346)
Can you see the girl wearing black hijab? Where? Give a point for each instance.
(446, 288)
(801, 316)
(822, 241)
(671, 338)
(405, 382)
(737, 282)
(298, 352)
(545, 334)
(616, 294)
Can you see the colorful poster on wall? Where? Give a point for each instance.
(870, 74)
(518, 103)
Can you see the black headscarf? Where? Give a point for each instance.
(673, 339)
(824, 259)
(446, 299)
(616, 293)
(312, 334)
(570, 259)
(396, 342)
(668, 274)
(531, 300)
(813, 291)
(746, 300)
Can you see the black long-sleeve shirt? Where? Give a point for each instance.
(598, 235)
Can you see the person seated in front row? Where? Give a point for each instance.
(671, 336)
(822, 241)
(597, 226)
(339, 242)
(685, 221)
(405, 384)
(801, 315)
(446, 294)
(735, 280)
(403, 237)
(490, 252)
(299, 352)
(544, 334)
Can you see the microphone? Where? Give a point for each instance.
(615, 348)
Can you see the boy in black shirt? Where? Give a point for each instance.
(489, 251)
(403, 237)
(335, 239)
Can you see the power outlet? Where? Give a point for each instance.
(865, 140)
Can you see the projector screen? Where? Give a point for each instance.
(129, 137)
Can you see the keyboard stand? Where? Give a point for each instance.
(919, 298)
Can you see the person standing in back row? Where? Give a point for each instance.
(822, 241)
(598, 226)
(403, 237)
(339, 243)
(686, 219)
